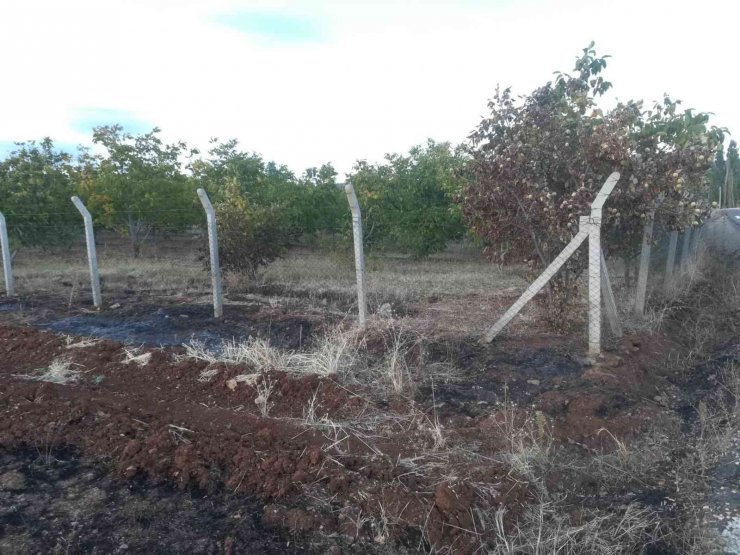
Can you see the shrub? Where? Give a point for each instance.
(249, 236)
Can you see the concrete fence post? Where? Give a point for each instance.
(595, 266)
(594, 285)
(218, 307)
(671, 261)
(685, 250)
(92, 256)
(5, 246)
(642, 275)
(354, 206)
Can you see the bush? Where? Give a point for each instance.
(406, 201)
(537, 162)
(36, 181)
(249, 236)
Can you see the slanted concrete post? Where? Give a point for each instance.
(92, 256)
(671, 261)
(354, 206)
(218, 308)
(541, 281)
(5, 247)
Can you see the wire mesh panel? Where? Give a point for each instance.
(165, 263)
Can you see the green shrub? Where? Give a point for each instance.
(249, 236)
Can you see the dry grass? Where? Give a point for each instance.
(342, 352)
(136, 355)
(264, 391)
(528, 437)
(392, 279)
(544, 529)
(174, 267)
(84, 343)
(66, 273)
(60, 371)
(462, 286)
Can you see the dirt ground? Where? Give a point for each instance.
(124, 444)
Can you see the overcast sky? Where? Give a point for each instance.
(305, 83)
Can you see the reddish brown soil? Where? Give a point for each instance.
(161, 422)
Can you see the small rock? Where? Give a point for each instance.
(533, 382)
(12, 481)
(661, 400)
(115, 306)
(385, 310)
(231, 384)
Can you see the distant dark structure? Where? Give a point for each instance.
(720, 234)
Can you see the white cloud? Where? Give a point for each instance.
(385, 76)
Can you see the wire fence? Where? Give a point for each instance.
(171, 263)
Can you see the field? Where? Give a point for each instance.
(283, 428)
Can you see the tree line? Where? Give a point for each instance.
(139, 185)
(517, 184)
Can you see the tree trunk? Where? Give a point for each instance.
(134, 233)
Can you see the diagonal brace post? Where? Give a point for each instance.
(588, 227)
(538, 284)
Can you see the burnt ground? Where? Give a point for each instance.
(159, 456)
(55, 501)
(136, 320)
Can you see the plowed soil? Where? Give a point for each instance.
(322, 464)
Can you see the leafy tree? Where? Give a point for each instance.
(407, 201)
(323, 201)
(538, 161)
(36, 183)
(250, 236)
(138, 186)
(304, 206)
(326, 175)
(227, 166)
